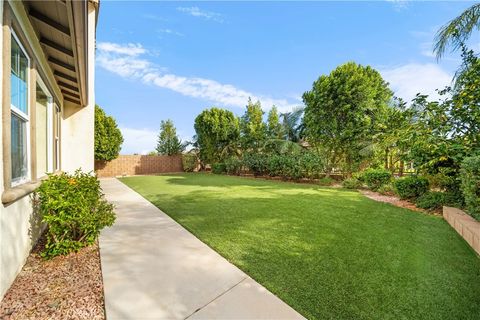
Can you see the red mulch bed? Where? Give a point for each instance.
(65, 287)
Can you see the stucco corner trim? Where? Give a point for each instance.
(15, 193)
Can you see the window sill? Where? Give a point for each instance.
(20, 191)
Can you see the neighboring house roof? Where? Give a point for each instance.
(62, 30)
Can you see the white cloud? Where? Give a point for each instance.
(138, 140)
(197, 12)
(408, 80)
(131, 66)
(130, 49)
(170, 31)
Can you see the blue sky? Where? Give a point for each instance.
(171, 60)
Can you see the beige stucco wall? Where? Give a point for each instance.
(19, 225)
(78, 123)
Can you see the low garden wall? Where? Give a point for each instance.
(128, 165)
(465, 225)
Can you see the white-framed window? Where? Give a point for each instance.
(43, 129)
(19, 106)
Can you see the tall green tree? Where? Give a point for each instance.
(292, 125)
(274, 127)
(108, 138)
(447, 131)
(252, 128)
(216, 131)
(168, 141)
(343, 112)
(392, 141)
(456, 32)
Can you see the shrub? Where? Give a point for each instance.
(411, 187)
(189, 161)
(74, 210)
(275, 165)
(219, 168)
(311, 165)
(233, 165)
(326, 181)
(351, 183)
(431, 200)
(256, 163)
(386, 189)
(470, 176)
(375, 178)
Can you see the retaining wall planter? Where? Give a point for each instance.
(465, 225)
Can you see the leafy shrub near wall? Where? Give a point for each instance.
(386, 189)
(375, 178)
(470, 176)
(431, 200)
(255, 162)
(189, 161)
(411, 187)
(289, 166)
(74, 210)
(351, 183)
(219, 168)
(233, 165)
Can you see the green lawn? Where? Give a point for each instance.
(329, 253)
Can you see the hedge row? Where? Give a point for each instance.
(305, 165)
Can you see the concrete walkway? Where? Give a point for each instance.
(155, 269)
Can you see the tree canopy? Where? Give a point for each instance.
(274, 127)
(456, 32)
(216, 129)
(108, 137)
(168, 141)
(252, 128)
(344, 110)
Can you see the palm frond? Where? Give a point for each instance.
(457, 31)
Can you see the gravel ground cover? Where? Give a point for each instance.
(66, 287)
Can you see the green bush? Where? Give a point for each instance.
(326, 181)
(233, 165)
(74, 210)
(352, 183)
(411, 187)
(189, 161)
(431, 200)
(470, 176)
(386, 189)
(256, 163)
(219, 168)
(375, 178)
(275, 165)
(311, 164)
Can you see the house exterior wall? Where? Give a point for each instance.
(20, 225)
(78, 123)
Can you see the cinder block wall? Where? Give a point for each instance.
(138, 164)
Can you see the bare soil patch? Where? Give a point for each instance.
(66, 287)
